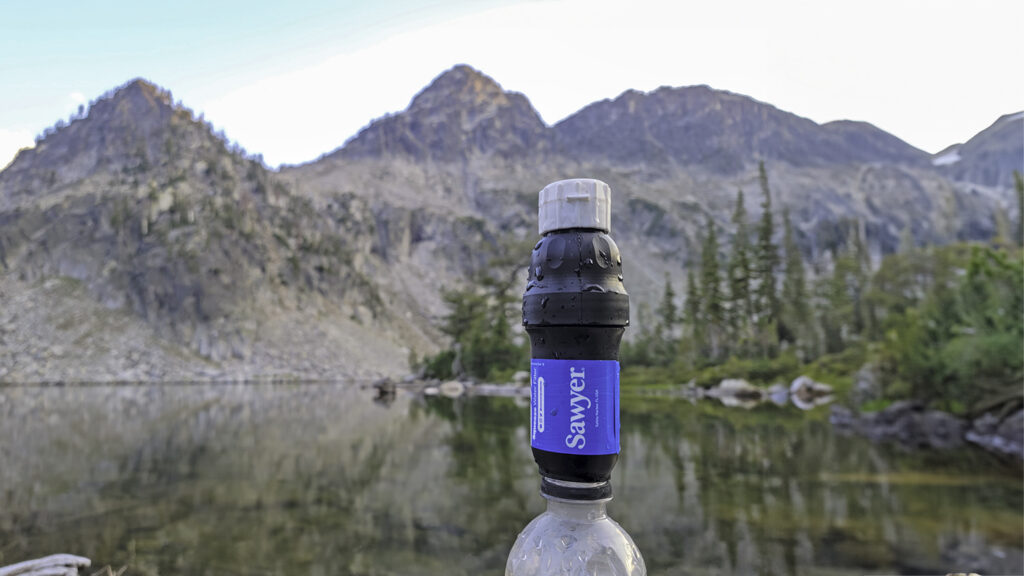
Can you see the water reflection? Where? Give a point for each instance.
(326, 479)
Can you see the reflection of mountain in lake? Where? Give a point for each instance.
(318, 479)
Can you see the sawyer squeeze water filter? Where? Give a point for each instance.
(575, 310)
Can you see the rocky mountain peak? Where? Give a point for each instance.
(461, 87)
(137, 98)
(461, 113)
(126, 131)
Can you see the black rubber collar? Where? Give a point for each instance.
(575, 490)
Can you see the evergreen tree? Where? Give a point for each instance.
(796, 317)
(1018, 182)
(765, 263)
(740, 305)
(667, 311)
(843, 314)
(833, 301)
(858, 280)
(693, 322)
(907, 243)
(1002, 237)
(711, 290)
(668, 318)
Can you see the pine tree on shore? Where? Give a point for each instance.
(796, 317)
(1018, 184)
(711, 288)
(667, 311)
(766, 307)
(668, 318)
(738, 277)
(693, 323)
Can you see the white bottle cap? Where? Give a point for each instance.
(576, 203)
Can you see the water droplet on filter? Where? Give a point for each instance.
(544, 302)
(566, 542)
(537, 245)
(531, 286)
(620, 277)
(594, 288)
(618, 260)
(538, 273)
(588, 262)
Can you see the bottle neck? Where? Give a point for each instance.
(579, 510)
(566, 490)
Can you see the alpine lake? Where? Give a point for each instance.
(328, 479)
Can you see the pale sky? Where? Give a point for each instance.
(295, 80)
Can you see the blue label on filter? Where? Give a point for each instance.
(574, 406)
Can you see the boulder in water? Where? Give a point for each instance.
(806, 389)
(735, 388)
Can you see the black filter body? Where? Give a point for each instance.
(575, 308)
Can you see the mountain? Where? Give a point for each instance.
(466, 150)
(137, 243)
(990, 157)
(720, 131)
(461, 112)
(146, 210)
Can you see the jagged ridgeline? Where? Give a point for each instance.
(338, 266)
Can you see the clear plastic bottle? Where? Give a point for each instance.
(574, 538)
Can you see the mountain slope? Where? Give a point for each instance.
(719, 131)
(336, 268)
(990, 157)
(672, 157)
(153, 213)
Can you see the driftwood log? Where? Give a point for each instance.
(55, 565)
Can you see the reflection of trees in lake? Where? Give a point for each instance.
(309, 479)
(491, 469)
(767, 491)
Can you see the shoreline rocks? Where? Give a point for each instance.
(910, 424)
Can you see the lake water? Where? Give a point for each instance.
(320, 479)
